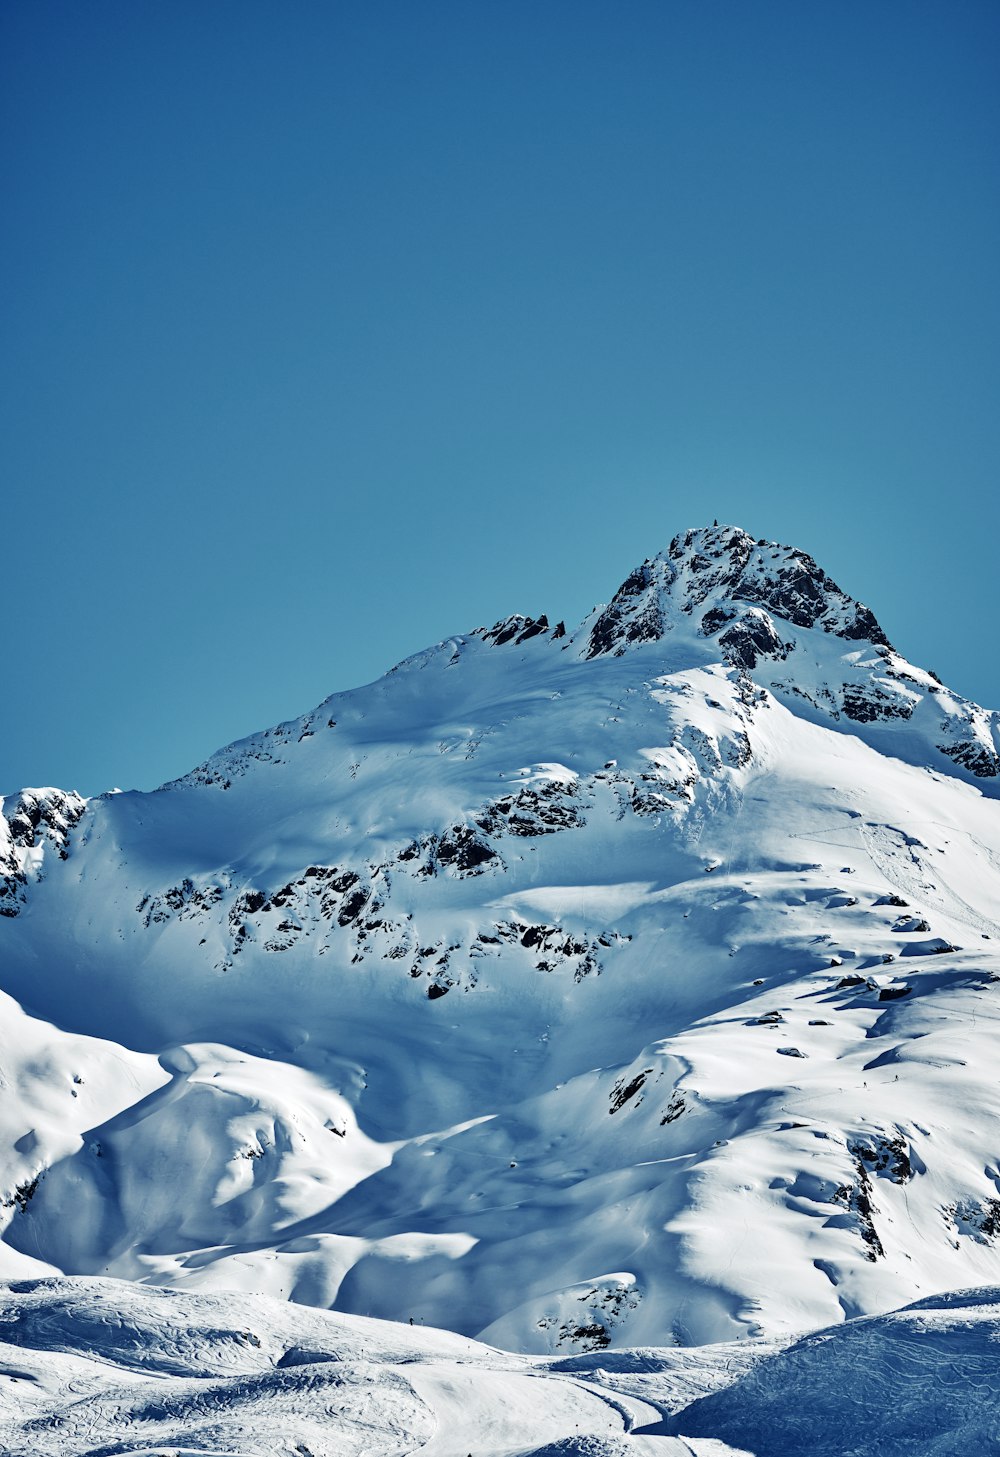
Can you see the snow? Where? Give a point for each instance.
(99, 1362)
(101, 1366)
(576, 1000)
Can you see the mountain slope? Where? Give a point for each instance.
(635, 984)
(102, 1367)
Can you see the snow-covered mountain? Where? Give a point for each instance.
(631, 985)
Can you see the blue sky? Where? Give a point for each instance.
(330, 329)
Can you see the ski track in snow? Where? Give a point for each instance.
(92, 1368)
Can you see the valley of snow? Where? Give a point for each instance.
(573, 992)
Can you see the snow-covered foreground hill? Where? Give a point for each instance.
(630, 986)
(94, 1367)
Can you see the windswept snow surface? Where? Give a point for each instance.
(572, 991)
(89, 1368)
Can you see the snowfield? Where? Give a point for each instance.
(101, 1367)
(575, 992)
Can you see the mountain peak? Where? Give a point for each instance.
(586, 942)
(733, 584)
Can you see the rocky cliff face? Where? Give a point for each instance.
(719, 576)
(35, 822)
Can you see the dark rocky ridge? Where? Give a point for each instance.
(34, 818)
(725, 562)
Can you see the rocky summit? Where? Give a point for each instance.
(636, 985)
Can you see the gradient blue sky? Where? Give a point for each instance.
(330, 329)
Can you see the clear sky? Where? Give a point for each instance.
(330, 329)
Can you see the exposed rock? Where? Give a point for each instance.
(531, 811)
(626, 1088)
(976, 757)
(37, 820)
(634, 615)
(867, 703)
(725, 562)
(976, 1218)
(884, 1154)
(857, 1198)
(910, 925)
(464, 852)
(183, 901)
(516, 629)
(751, 638)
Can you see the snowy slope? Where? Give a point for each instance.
(98, 1367)
(631, 985)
